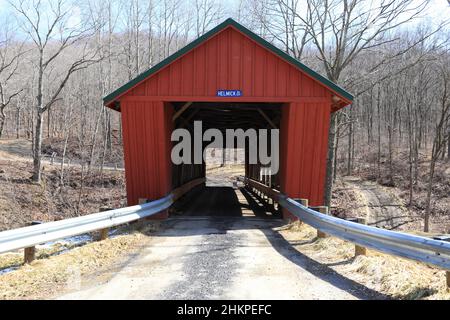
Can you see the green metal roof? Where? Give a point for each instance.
(229, 22)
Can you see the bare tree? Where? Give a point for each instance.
(207, 13)
(52, 31)
(10, 54)
(276, 22)
(341, 31)
(441, 134)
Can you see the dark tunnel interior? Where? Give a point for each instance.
(220, 195)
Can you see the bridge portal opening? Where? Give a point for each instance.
(222, 164)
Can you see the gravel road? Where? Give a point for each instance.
(219, 258)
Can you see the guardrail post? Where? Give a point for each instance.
(141, 222)
(324, 210)
(103, 233)
(303, 202)
(29, 254)
(360, 251)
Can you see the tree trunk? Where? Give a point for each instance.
(448, 145)
(352, 156)
(411, 181)
(109, 131)
(411, 151)
(37, 149)
(48, 122)
(80, 193)
(2, 121)
(349, 150)
(390, 147)
(63, 159)
(336, 148)
(330, 160)
(37, 138)
(379, 134)
(18, 124)
(426, 225)
(94, 139)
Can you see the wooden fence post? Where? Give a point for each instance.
(360, 251)
(324, 210)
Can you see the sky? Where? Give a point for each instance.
(437, 12)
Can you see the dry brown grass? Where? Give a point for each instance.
(15, 259)
(44, 278)
(395, 277)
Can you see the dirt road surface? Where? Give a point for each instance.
(20, 150)
(381, 208)
(219, 258)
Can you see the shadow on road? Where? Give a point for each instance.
(260, 208)
(221, 201)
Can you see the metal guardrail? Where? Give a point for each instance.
(33, 235)
(27, 237)
(430, 251)
(427, 250)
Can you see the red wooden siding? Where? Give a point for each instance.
(146, 140)
(303, 150)
(230, 60)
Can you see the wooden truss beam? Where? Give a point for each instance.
(182, 109)
(267, 118)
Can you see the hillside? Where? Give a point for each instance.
(22, 201)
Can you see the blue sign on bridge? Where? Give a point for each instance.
(229, 93)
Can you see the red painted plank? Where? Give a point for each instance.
(247, 68)
(222, 61)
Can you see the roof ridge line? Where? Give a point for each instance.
(220, 27)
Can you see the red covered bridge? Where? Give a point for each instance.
(275, 91)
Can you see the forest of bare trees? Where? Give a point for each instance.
(59, 58)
